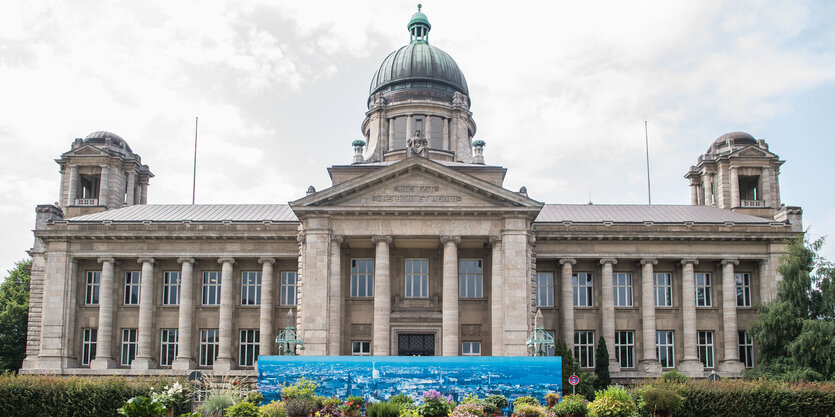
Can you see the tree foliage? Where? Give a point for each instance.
(14, 315)
(571, 367)
(795, 331)
(601, 365)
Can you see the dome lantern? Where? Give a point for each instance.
(419, 27)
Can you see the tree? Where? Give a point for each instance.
(571, 367)
(14, 315)
(794, 332)
(601, 365)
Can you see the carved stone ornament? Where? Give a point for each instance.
(469, 330)
(361, 330)
(451, 239)
(417, 145)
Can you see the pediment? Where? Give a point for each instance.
(753, 151)
(416, 183)
(85, 150)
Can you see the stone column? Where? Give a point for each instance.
(104, 185)
(335, 297)
(131, 185)
(446, 134)
(691, 364)
(765, 191)
(143, 192)
(694, 194)
(267, 309)
(185, 328)
(607, 310)
(567, 300)
(72, 192)
(730, 362)
(427, 129)
(104, 338)
(734, 187)
(145, 334)
(391, 133)
(382, 296)
(225, 357)
(649, 359)
(409, 128)
(708, 185)
(497, 298)
(449, 323)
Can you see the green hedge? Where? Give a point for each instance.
(36, 396)
(765, 398)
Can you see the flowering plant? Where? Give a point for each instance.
(169, 396)
(435, 404)
(351, 404)
(469, 410)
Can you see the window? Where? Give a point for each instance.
(362, 277)
(743, 289)
(133, 280)
(663, 289)
(544, 289)
(703, 290)
(584, 348)
(471, 348)
(88, 345)
(583, 289)
(288, 288)
(91, 291)
(168, 347)
(171, 288)
(746, 349)
(665, 349)
(128, 346)
(360, 348)
(625, 348)
(470, 278)
(208, 346)
(622, 282)
(250, 340)
(211, 288)
(250, 288)
(704, 343)
(417, 278)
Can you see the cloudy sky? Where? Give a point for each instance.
(560, 92)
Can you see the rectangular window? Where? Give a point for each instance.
(743, 289)
(665, 348)
(703, 290)
(128, 346)
(208, 346)
(663, 289)
(250, 340)
(288, 288)
(362, 277)
(746, 349)
(704, 344)
(168, 347)
(625, 348)
(583, 289)
(417, 278)
(544, 289)
(171, 288)
(133, 280)
(91, 290)
(471, 349)
(584, 348)
(361, 348)
(622, 282)
(470, 278)
(88, 346)
(211, 288)
(251, 288)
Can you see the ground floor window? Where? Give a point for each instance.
(88, 347)
(665, 348)
(250, 340)
(705, 348)
(625, 348)
(168, 347)
(208, 346)
(471, 348)
(584, 348)
(361, 348)
(128, 346)
(746, 349)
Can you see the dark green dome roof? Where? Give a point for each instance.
(419, 62)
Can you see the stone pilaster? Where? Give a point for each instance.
(649, 361)
(446, 134)
(382, 296)
(131, 188)
(391, 134)
(72, 192)
(735, 187)
(449, 319)
(517, 285)
(185, 328)
(607, 310)
(145, 334)
(497, 298)
(313, 284)
(766, 192)
(335, 297)
(730, 363)
(708, 189)
(267, 309)
(567, 300)
(104, 186)
(691, 364)
(225, 358)
(104, 334)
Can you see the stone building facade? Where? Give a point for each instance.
(415, 248)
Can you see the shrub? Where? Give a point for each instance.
(217, 403)
(254, 397)
(295, 407)
(674, 377)
(552, 396)
(737, 398)
(273, 409)
(471, 409)
(614, 401)
(401, 399)
(660, 399)
(495, 403)
(329, 407)
(382, 409)
(142, 407)
(242, 409)
(526, 400)
(529, 410)
(573, 404)
(352, 404)
(435, 404)
(303, 389)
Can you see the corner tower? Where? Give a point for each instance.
(418, 92)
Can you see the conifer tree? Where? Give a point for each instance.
(601, 365)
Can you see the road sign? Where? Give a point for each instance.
(574, 380)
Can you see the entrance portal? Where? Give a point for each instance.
(416, 345)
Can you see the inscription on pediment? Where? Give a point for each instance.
(417, 190)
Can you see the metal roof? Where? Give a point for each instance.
(194, 213)
(594, 213)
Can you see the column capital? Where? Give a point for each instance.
(686, 261)
(375, 239)
(450, 239)
(733, 261)
(494, 240)
(338, 239)
(225, 260)
(106, 259)
(266, 260)
(571, 261)
(605, 261)
(645, 261)
(185, 259)
(144, 260)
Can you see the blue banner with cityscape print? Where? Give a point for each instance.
(376, 378)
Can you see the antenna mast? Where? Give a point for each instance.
(646, 137)
(194, 173)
